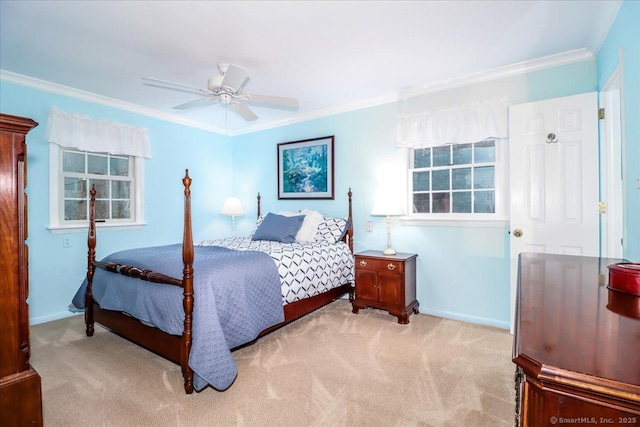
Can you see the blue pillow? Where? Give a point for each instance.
(278, 228)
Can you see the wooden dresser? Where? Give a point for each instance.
(576, 344)
(20, 392)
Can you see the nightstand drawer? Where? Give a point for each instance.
(379, 264)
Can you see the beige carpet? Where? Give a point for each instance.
(330, 368)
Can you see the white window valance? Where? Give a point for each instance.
(468, 123)
(99, 136)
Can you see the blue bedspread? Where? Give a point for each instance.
(236, 296)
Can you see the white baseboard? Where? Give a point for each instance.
(465, 318)
(51, 317)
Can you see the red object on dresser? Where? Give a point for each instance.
(625, 277)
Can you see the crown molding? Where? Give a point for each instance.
(59, 89)
(511, 70)
(603, 25)
(519, 68)
(319, 113)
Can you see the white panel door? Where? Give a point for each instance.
(554, 179)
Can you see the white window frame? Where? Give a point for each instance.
(58, 225)
(498, 219)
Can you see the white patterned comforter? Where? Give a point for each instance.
(306, 269)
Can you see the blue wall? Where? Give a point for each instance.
(624, 37)
(55, 272)
(463, 272)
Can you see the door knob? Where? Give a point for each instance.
(517, 232)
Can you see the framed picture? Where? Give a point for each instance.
(305, 169)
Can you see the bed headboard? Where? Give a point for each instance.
(348, 236)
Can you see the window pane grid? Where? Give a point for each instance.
(447, 179)
(112, 178)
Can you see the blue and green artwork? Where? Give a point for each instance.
(305, 169)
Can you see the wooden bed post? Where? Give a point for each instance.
(350, 225)
(91, 257)
(187, 284)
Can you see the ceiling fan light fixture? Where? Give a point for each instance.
(214, 82)
(223, 67)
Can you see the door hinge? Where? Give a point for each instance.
(602, 207)
(601, 114)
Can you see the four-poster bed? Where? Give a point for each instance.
(177, 346)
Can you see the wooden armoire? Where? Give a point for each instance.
(20, 390)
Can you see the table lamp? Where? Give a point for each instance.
(233, 208)
(387, 205)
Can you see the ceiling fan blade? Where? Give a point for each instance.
(271, 100)
(244, 111)
(198, 103)
(164, 84)
(234, 78)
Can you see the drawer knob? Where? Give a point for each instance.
(363, 263)
(391, 266)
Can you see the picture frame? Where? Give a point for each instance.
(305, 169)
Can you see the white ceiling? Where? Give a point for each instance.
(332, 56)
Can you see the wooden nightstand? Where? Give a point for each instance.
(387, 283)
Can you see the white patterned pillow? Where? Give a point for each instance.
(332, 229)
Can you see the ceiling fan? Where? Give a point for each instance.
(226, 88)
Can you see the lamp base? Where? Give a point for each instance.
(389, 252)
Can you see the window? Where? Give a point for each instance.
(116, 178)
(457, 182)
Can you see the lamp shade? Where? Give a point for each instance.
(387, 204)
(232, 207)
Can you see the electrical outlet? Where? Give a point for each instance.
(369, 226)
(66, 242)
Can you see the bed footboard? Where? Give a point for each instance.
(174, 348)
